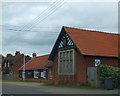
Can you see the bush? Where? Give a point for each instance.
(118, 78)
(119, 60)
(6, 71)
(104, 71)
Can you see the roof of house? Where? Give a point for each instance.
(93, 43)
(35, 63)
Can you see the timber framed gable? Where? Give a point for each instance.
(64, 42)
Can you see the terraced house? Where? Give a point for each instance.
(76, 51)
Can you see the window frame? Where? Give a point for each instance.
(67, 59)
(36, 73)
(23, 74)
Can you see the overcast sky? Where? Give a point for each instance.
(34, 27)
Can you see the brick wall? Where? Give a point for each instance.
(19, 60)
(90, 61)
(80, 75)
(81, 68)
(36, 79)
(82, 63)
(55, 69)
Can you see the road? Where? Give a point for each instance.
(18, 89)
(38, 88)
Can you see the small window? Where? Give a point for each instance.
(43, 74)
(8, 64)
(5, 64)
(23, 74)
(36, 74)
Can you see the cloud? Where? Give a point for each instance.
(18, 13)
(44, 31)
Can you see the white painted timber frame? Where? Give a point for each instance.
(36, 73)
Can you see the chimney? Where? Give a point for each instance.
(34, 55)
(17, 53)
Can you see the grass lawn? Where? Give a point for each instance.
(72, 86)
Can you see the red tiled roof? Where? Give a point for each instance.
(49, 64)
(35, 63)
(93, 42)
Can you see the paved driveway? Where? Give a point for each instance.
(38, 88)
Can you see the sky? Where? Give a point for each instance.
(33, 27)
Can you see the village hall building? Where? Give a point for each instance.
(74, 57)
(76, 50)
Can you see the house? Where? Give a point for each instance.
(7, 64)
(77, 50)
(36, 69)
(19, 60)
(11, 64)
(1, 61)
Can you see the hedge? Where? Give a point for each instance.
(105, 71)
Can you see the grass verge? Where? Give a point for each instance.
(72, 86)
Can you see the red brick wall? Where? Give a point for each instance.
(50, 74)
(90, 61)
(19, 62)
(36, 79)
(81, 68)
(61, 78)
(82, 62)
(80, 75)
(55, 69)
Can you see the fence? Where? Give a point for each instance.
(7, 77)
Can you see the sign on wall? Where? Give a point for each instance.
(97, 62)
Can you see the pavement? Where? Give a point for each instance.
(39, 88)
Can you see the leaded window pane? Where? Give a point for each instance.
(66, 64)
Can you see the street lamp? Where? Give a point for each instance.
(23, 72)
